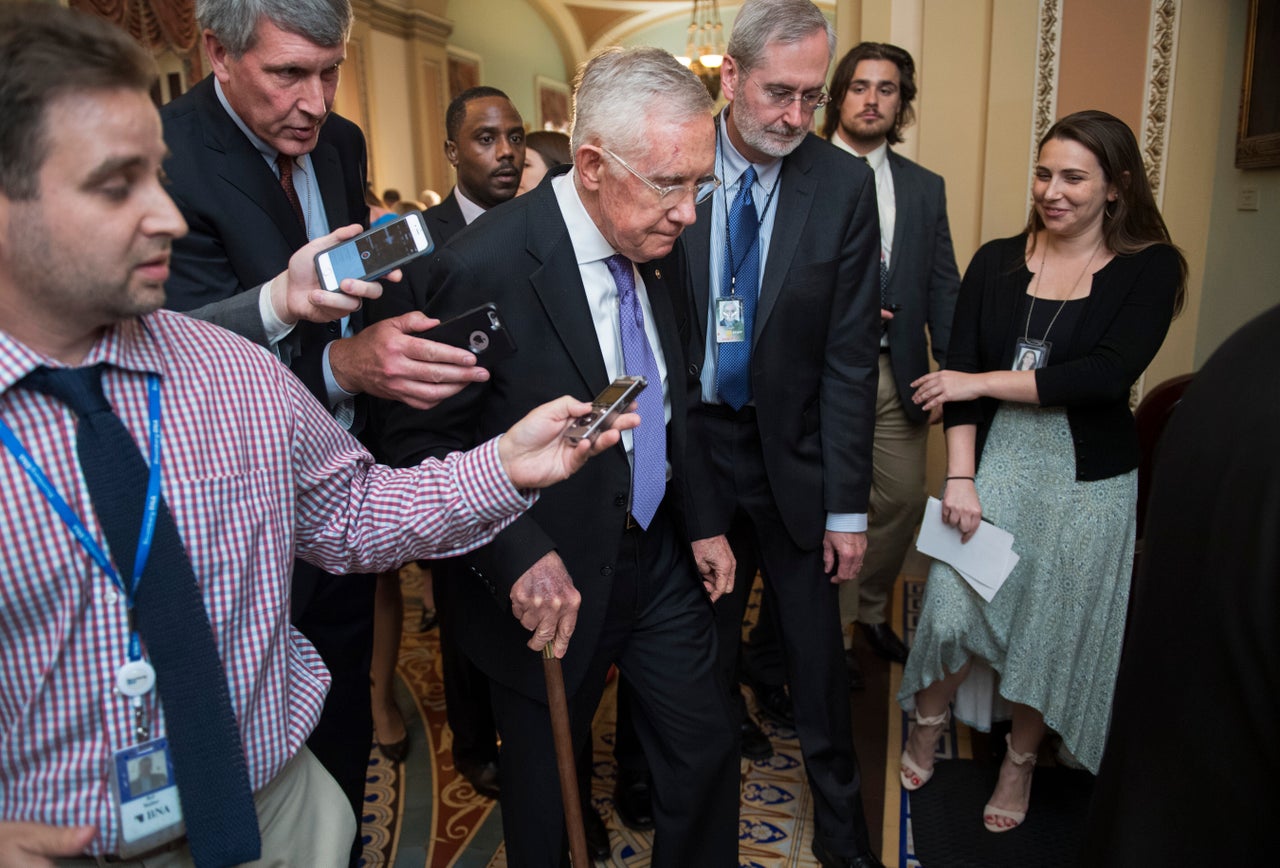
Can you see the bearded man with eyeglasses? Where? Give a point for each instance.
(588, 272)
(787, 403)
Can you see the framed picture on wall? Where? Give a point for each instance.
(552, 99)
(1258, 138)
(465, 70)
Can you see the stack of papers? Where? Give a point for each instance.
(985, 561)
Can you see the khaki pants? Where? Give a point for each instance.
(897, 504)
(303, 817)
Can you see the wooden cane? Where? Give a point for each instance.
(560, 731)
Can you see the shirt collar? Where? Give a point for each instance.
(130, 345)
(732, 164)
(589, 245)
(470, 210)
(876, 159)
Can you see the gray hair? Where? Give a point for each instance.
(760, 22)
(621, 91)
(327, 23)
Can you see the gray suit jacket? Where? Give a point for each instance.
(238, 313)
(923, 278)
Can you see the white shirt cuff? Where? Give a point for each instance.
(336, 393)
(274, 327)
(847, 522)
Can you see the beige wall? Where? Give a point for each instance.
(516, 45)
(1241, 271)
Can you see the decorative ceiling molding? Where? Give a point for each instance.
(404, 23)
(1158, 97)
(569, 39)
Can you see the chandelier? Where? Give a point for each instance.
(704, 48)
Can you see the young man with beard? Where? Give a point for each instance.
(871, 95)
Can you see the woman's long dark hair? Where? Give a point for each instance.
(1132, 222)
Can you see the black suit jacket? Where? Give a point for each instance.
(815, 353)
(242, 229)
(445, 220)
(520, 257)
(923, 278)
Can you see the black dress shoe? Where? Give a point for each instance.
(428, 620)
(633, 800)
(884, 642)
(775, 704)
(856, 681)
(596, 833)
(828, 859)
(755, 744)
(483, 779)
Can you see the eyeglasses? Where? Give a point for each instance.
(781, 97)
(701, 189)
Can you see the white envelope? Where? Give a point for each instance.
(985, 561)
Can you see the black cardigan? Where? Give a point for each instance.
(1124, 321)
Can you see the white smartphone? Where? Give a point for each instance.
(372, 254)
(604, 408)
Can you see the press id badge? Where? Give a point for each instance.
(731, 326)
(146, 796)
(1030, 355)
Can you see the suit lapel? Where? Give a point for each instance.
(795, 199)
(329, 176)
(905, 196)
(698, 248)
(558, 285)
(239, 164)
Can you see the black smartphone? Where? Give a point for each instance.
(480, 330)
(372, 254)
(605, 407)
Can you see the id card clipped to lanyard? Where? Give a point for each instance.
(142, 782)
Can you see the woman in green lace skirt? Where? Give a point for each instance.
(1052, 328)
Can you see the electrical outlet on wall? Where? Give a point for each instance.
(1247, 199)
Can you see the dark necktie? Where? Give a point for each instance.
(208, 756)
(884, 266)
(741, 279)
(649, 441)
(285, 164)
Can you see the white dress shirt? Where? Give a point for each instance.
(592, 249)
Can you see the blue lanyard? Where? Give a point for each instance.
(735, 267)
(76, 526)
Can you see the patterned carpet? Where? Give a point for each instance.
(426, 814)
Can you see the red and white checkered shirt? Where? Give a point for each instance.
(254, 473)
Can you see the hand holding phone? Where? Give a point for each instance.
(372, 254)
(479, 330)
(605, 407)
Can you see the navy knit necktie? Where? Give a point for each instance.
(208, 756)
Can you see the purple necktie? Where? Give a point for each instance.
(649, 441)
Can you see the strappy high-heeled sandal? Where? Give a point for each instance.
(990, 813)
(914, 777)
